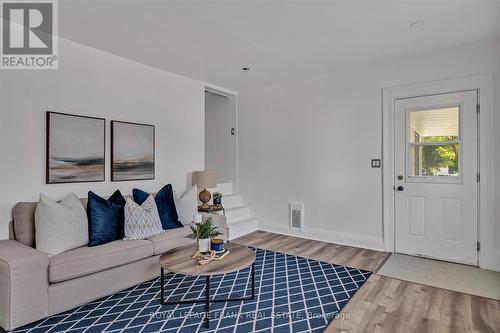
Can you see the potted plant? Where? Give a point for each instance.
(217, 198)
(204, 232)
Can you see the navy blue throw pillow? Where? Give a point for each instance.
(166, 206)
(106, 218)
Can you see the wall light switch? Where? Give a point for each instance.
(376, 163)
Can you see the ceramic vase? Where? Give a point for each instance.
(204, 245)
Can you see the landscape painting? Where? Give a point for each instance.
(133, 151)
(75, 148)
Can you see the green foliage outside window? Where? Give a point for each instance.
(436, 157)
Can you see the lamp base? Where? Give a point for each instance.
(204, 197)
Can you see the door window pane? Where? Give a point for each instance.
(434, 143)
(438, 161)
(436, 125)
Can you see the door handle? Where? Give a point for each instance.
(400, 188)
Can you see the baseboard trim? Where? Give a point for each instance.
(342, 238)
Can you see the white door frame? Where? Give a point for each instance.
(214, 89)
(488, 258)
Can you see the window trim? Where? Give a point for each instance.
(434, 179)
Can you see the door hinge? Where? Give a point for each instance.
(478, 177)
(478, 246)
(478, 108)
(232, 131)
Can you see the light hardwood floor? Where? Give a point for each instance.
(385, 304)
(327, 252)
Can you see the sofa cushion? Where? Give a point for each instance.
(170, 239)
(88, 260)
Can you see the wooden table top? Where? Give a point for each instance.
(178, 260)
(211, 209)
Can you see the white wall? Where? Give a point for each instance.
(92, 82)
(311, 141)
(220, 145)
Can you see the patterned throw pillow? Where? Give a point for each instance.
(142, 221)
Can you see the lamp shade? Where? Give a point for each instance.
(205, 179)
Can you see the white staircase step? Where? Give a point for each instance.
(242, 227)
(231, 200)
(237, 213)
(238, 219)
(224, 188)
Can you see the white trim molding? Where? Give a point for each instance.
(489, 258)
(222, 91)
(330, 236)
(218, 90)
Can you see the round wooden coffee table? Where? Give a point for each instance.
(178, 260)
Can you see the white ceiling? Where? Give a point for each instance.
(280, 40)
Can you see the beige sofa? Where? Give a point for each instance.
(34, 285)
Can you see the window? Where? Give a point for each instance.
(434, 147)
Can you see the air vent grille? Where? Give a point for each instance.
(296, 215)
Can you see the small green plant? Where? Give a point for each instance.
(207, 230)
(217, 195)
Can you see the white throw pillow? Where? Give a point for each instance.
(60, 225)
(142, 221)
(187, 205)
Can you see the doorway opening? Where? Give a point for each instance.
(420, 165)
(221, 137)
(435, 176)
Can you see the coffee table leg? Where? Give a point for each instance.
(207, 299)
(162, 286)
(253, 280)
(207, 304)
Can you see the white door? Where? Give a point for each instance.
(436, 184)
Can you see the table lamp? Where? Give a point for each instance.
(204, 179)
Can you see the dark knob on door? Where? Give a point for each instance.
(400, 188)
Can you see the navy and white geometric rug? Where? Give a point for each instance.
(292, 294)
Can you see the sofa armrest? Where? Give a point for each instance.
(23, 284)
(219, 222)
